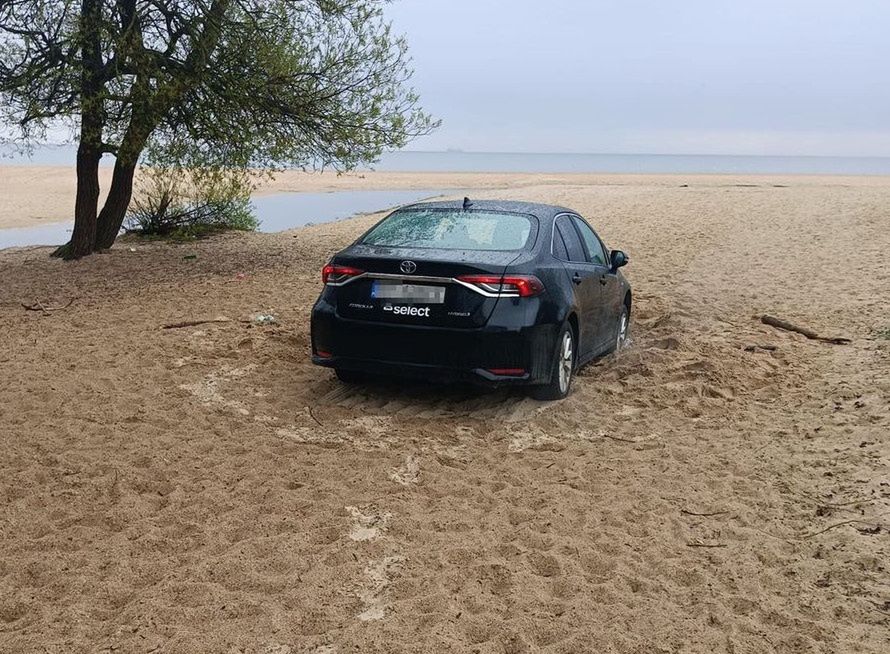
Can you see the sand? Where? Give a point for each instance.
(206, 489)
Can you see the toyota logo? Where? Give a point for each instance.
(408, 267)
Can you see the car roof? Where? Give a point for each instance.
(540, 211)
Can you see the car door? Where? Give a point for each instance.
(585, 281)
(607, 317)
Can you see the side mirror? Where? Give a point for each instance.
(618, 259)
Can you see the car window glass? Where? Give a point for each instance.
(570, 237)
(559, 246)
(594, 247)
(452, 229)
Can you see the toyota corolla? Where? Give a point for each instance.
(487, 292)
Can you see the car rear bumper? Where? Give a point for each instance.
(490, 355)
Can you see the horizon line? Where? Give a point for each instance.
(646, 154)
(575, 153)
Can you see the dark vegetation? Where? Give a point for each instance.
(225, 86)
(187, 204)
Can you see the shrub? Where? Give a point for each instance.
(191, 202)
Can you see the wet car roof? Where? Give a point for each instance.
(541, 211)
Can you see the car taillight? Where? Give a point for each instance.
(506, 285)
(333, 274)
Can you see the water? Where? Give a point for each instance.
(457, 161)
(276, 213)
(288, 210)
(514, 162)
(51, 234)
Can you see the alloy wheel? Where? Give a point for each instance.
(566, 361)
(622, 331)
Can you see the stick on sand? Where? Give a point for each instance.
(193, 323)
(778, 323)
(39, 306)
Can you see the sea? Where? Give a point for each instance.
(553, 162)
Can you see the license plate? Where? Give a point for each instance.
(416, 293)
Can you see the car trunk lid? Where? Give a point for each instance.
(417, 286)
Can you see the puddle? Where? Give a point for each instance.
(51, 234)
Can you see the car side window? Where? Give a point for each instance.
(591, 241)
(570, 238)
(559, 247)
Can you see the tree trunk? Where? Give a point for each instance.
(85, 204)
(112, 215)
(92, 119)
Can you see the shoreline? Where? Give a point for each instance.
(36, 196)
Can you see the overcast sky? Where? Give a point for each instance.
(781, 77)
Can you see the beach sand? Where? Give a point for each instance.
(720, 486)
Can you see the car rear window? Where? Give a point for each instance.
(452, 229)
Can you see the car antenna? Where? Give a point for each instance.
(467, 203)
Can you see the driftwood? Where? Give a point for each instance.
(867, 520)
(40, 306)
(778, 323)
(765, 348)
(312, 415)
(193, 323)
(618, 438)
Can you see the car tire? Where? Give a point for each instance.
(350, 376)
(562, 369)
(622, 331)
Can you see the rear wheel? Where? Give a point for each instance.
(563, 369)
(350, 376)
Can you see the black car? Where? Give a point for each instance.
(487, 292)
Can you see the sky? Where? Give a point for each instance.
(753, 77)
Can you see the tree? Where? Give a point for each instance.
(261, 84)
